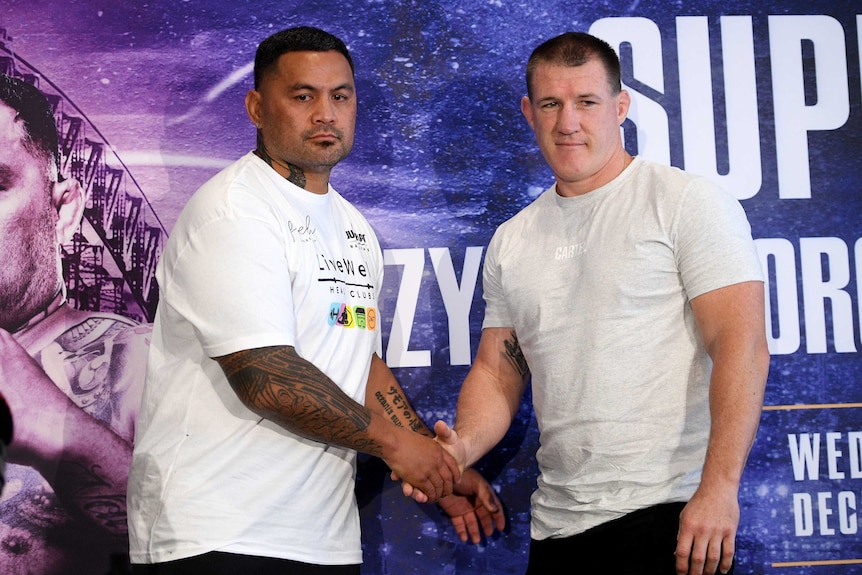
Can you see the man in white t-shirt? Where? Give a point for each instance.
(631, 295)
(263, 379)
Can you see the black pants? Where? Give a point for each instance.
(217, 563)
(640, 543)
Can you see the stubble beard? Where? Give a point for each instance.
(324, 155)
(30, 275)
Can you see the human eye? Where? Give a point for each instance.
(342, 93)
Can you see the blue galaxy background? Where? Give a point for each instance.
(443, 156)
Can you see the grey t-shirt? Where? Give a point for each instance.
(597, 288)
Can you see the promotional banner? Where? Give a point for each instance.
(764, 98)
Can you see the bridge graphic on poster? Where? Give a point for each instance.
(109, 265)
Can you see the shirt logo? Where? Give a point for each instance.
(352, 316)
(354, 237)
(303, 232)
(569, 252)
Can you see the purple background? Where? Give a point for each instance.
(442, 157)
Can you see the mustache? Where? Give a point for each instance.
(328, 130)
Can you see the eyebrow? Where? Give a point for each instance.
(582, 95)
(346, 87)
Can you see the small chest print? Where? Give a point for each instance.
(305, 231)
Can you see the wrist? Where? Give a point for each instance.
(462, 450)
(382, 441)
(722, 481)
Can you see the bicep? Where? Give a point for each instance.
(500, 352)
(730, 316)
(500, 367)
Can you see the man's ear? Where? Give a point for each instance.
(252, 106)
(67, 197)
(624, 103)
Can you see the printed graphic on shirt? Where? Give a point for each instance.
(359, 317)
(356, 240)
(303, 232)
(570, 251)
(344, 268)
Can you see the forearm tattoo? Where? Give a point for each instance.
(96, 497)
(296, 175)
(515, 356)
(398, 410)
(279, 385)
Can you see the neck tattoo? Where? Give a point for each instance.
(295, 174)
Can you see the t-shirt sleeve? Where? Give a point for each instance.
(230, 280)
(714, 247)
(496, 310)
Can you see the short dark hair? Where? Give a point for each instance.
(37, 116)
(300, 39)
(576, 49)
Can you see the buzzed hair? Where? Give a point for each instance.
(301, 39)
(576, 49)
(37, 117)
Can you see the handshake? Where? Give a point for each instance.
(435, 470)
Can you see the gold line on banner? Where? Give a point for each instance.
(811, 406)
(817, 563)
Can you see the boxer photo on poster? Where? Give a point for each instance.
(72, 378)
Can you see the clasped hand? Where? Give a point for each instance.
(472, 506)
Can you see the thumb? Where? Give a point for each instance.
(487, 497)
(445, 434)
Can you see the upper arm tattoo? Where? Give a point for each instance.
(281, 386)
(515, 356)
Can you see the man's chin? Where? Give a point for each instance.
(329, 155)
(16, 309)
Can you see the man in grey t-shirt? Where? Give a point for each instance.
(631, 294)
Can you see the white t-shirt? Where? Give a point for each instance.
(598, 288)
(253, 261)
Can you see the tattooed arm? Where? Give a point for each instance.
(489, 398)
(279, 385)
(84, 461)
(385, 395)
(473, 508)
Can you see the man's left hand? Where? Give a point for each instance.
(473, 504)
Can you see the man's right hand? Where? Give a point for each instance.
(427, 470)
(448, 438)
